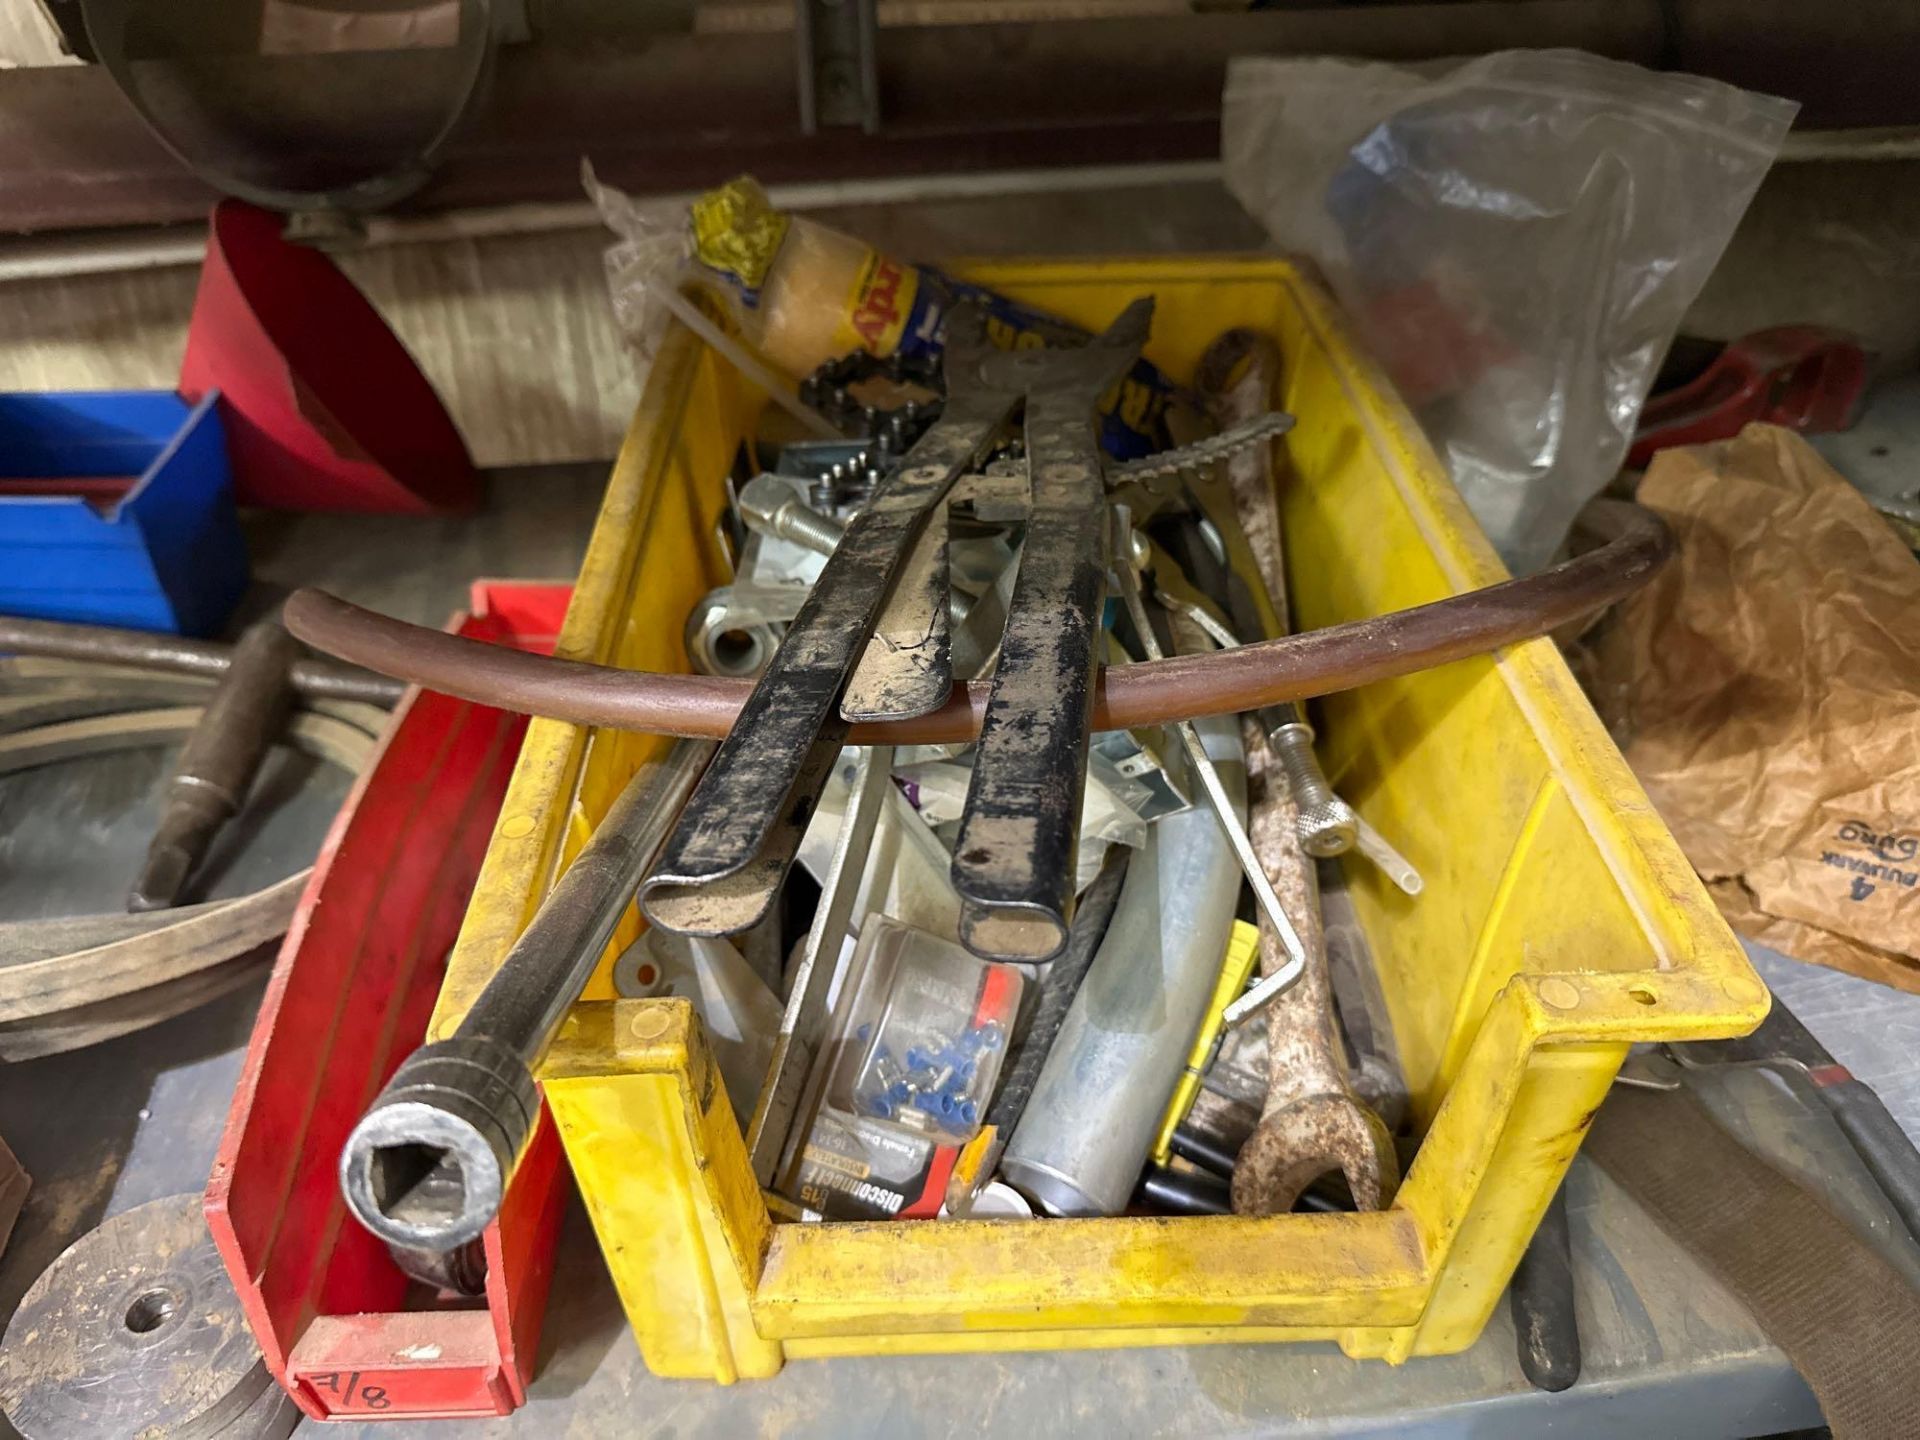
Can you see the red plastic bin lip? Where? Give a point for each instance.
(351, 992)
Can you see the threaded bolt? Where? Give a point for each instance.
(1327, 825)
(770, 507)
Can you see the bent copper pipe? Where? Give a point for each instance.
(1224, 682)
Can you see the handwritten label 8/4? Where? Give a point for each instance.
(347, 1390)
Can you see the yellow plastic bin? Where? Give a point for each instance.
(1559, 923)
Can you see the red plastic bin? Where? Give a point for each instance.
(350, 997)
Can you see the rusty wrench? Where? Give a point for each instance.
(1312, 1122)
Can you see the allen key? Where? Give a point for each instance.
(1129, 551)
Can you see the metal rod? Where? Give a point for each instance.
(1191, 1145)
(217, 765)
(1185, 1192)
(144, 650)
(428, 1164)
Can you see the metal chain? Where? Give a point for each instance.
(1171, 464)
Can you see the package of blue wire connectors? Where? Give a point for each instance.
(930, 1025)
(919, 1035)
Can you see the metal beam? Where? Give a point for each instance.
(679, 112)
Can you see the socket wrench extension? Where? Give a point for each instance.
(428, 1164)
(218, 763)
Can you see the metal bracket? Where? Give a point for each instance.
(839, 73)
(798, 1044)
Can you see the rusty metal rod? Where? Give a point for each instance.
(216, 767)
(1318, 662)
(145, 650)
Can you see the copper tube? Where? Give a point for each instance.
(1226, 682)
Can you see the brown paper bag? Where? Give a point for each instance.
(1766, 690)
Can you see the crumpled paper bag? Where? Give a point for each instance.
(1766, 690)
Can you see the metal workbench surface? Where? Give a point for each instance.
(1667, 1351)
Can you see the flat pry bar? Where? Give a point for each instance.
(1013, 858)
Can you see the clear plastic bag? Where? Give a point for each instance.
(649, 256)
(1517, 238)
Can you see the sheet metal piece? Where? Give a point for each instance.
(1013, 858)
(798, 1041)
(737, 838)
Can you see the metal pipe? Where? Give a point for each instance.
(62, 253)
(1087, 1131)
(428, 1164)
(1191, 1145)
(58, 254)
(145, 650)
(1317, 662)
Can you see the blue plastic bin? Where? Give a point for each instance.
(166, 556)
